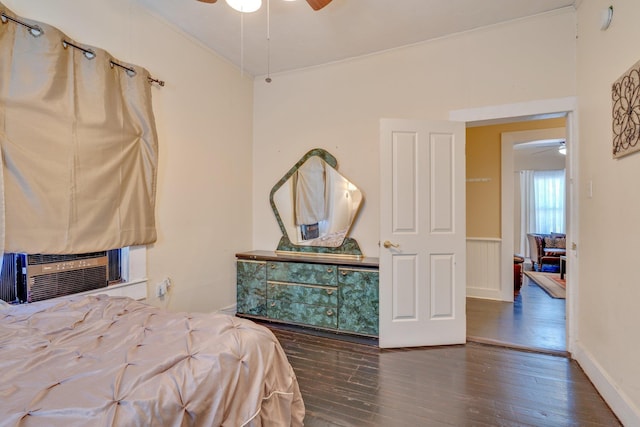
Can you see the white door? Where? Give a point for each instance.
(422, 233)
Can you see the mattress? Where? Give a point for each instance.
(114, 361)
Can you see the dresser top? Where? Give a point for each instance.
(316, 259)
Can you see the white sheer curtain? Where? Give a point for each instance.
(541, 195)
(527, 209)
(549, 195)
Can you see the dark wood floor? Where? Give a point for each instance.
(534, 320)
(351, 384)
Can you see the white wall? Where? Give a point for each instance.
(204, 117)
(338, 106)
(609, 270)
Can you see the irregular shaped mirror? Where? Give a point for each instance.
(316, 206)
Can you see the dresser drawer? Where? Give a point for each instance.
(305, 314)
(297, 272)
(251, 288)
(307, 294)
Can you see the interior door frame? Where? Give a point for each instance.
(509, 140)
(543, 109)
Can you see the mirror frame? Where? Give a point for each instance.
(349, 247)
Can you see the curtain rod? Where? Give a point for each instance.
(131, 72)
(36, 31)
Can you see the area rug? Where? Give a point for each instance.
(546, 281)
(559, 281)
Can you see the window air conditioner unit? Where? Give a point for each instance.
(51, 276)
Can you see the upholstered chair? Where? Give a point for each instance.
(535, 250)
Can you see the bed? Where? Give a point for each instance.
(114, 361)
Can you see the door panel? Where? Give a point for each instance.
(442, 170)
(442, 289)
(404, 287)
(422, 231)
(404, 185)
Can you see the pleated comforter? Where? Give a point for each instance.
(114, 361)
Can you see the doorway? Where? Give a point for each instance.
(505, 243)
(523, 313)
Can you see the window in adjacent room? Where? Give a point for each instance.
(549, 201)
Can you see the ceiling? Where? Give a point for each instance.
(301, 37)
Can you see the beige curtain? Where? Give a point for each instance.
(79, 145)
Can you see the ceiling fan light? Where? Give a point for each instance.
(318, 4)
(246, 6)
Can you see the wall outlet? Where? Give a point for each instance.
(163, 287)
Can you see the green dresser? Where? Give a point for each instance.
(324, 293)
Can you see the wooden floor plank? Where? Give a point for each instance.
(534, 320)
(348, 384)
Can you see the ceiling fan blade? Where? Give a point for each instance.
(550, 148)
(208, 1)
(535, 153)
(318, 4)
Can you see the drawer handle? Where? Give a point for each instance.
(329, 291)
(344, 272)
(329, 312)
(273, 266)
(329, 270)
(273, 304)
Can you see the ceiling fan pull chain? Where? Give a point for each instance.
(241, 45)
(268, 79)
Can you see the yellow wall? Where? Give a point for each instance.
(484, 162)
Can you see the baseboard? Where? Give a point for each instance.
(625, 409)
(512, 346)
(483, 293)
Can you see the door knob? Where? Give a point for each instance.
(387, 244)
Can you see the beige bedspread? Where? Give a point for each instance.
(105, 361)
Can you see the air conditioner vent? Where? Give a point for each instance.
(68, 282)
(51, 276)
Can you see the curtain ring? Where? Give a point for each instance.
(88, 53)
(36, 31)
(131, 72)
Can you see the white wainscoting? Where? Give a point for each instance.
(483, 267)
